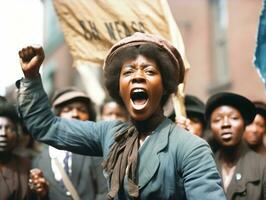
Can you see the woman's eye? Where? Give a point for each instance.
(127, 72)
(150, 71)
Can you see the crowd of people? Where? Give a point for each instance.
(132, 150)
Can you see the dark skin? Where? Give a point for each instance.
(112, 110)
(38, 183)
(141, 73)
(254, 134)
(8, 136)
(8, 139)
(72, 110)
(31, 59)
(191, 124)
(227, 126)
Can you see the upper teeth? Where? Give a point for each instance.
(138, 90)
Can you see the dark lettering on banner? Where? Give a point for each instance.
(141, 27)
(127, 31)
(134, 26)
(116, 30)
(90, 30)
(110, 30)
(119, 29)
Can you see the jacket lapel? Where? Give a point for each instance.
(148, 154)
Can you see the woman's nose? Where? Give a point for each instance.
(138, 76)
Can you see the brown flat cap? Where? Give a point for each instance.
(66, 94)
(144, 38)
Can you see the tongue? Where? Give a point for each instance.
(139, 101)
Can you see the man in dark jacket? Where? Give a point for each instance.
(84, 172)
(243, 171)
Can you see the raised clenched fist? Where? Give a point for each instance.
(31, 58)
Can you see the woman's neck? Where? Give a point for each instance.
(145, 127)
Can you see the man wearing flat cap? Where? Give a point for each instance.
(243, 171)
(84, 172)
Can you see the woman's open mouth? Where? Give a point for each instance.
(139, 98)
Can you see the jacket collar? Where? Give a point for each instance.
(148, 153)
(244, 172)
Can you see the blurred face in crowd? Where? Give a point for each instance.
(113, 111)
(141, 87)
(8, 135)
(227, 125)
(75, 110)
(195, 126)
(255, 131)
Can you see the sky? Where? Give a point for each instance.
(22, 25)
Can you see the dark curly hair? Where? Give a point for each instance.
(9, 111)
(165, 63)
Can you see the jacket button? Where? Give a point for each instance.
(238, 176)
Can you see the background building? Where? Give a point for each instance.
(219, 37)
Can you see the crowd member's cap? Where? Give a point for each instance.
(241, 103)
(194, 105)
(195, 108)
(67, 94)
(144, 38)
(260, 108)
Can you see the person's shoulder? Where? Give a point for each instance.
(255, 159)
(23, 161)
(253, 164)
(182, 136)
(185, 143)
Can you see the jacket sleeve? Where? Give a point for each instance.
(73, 135)
(200, 175)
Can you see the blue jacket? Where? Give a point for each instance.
(173, 164)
